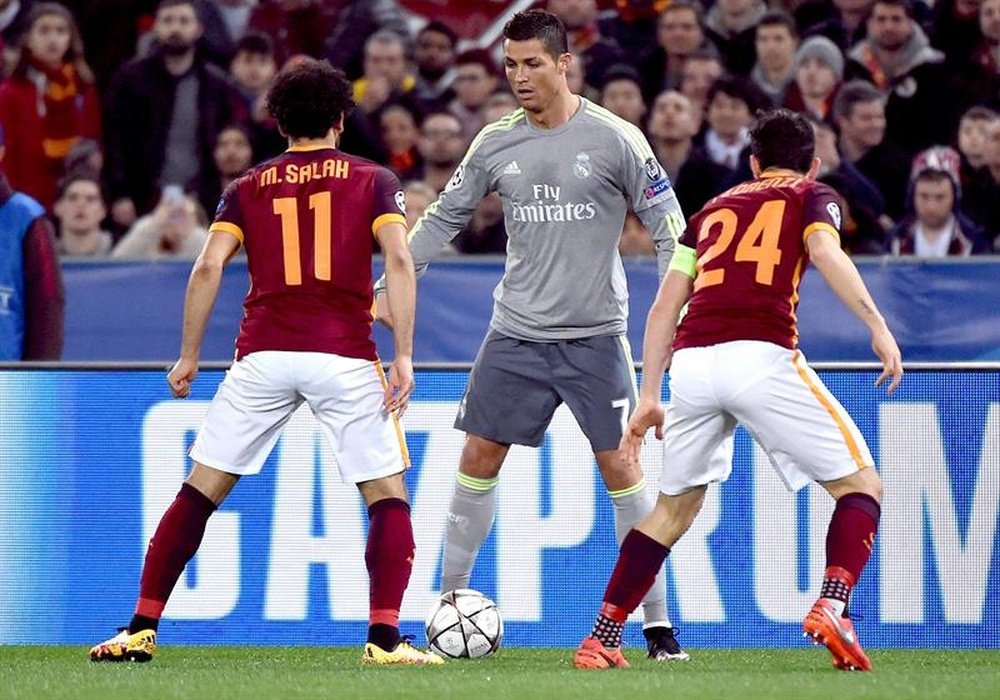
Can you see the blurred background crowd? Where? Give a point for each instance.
(125, 119)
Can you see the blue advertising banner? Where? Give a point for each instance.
(940, 311)
(89, 460)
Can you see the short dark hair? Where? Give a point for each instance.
(782, 138)
(438, 27)
(309, 99)
(80, 175)
(541, 25)
(907, 6)
(164, 4)
(855, 92)
(479, 57)
(980, 113)
(256, 43)
(779, 18)
(740, 88)
(690, 5)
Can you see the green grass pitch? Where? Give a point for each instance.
(515, 673)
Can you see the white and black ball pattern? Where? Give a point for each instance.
(464, 624)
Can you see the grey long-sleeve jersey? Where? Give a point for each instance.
(565, 194)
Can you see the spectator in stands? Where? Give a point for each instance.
(732, 104)
(355, 21)
(864, 221)
(176, 229)
(80, 209)
(233, 156)
(973, 132)
(475, 81)
(819, 70)
(859, 112)
(164, 112)
(253, 68)
(775, 42)
(32, 299)
(621, 94)
(13, 22)
(982, 201)
(48, 103)
(86, 155)
(679, 33)
(400, 135)
(701, 69)
(434, 56)
(954, 28)
(441, 148)
(224, 23)
(419, 196)
(296, 26)
(598, 52)
(935, 226)
(632, 25)
(977, 78)
(847, 26)
(673, 123)
(576, 79)
(499, 105)
(732, 26)
(898, 59)
(387, 76)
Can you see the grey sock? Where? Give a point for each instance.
(631, 506)
(470, 518)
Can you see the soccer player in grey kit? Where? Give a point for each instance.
(567, 171)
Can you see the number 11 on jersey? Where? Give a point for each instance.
(287, 209)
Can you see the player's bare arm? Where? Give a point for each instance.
(661, 324)
(400, 301)
(202, 289)
(843, 277)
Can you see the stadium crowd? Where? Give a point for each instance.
(127, 120)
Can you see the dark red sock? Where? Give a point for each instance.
(639, 559)
(177, 538)
(389, 556)
(851, 534)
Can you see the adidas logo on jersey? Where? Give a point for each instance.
(511, 169)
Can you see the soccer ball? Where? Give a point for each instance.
(464, 624)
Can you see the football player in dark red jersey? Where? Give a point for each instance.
(306, 220)
(734, 359)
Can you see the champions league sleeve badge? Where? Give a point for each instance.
(833, 209)
(652, 169)
(400, 198)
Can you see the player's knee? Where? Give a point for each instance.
(482, 458)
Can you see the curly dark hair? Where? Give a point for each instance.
(541, 25)
(309, 98)
(783, 139)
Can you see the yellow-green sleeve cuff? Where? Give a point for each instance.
(684, 260)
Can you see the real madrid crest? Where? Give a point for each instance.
(582, 168)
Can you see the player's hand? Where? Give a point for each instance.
(382, 313)
(887, 350)
(648, 414)
(181, 376)
(400, 385)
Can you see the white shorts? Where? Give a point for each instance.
(262, 391)
(804, 430)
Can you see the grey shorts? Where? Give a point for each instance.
(516, 385)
